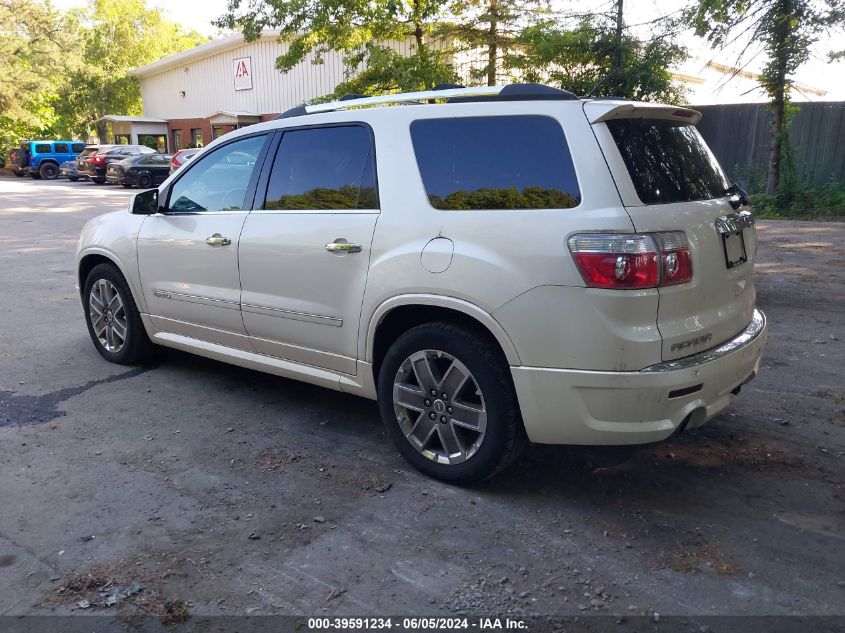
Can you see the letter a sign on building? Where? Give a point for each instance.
(243, 73)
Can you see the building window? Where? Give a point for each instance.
(177, 140)
(196, 137)
(121, 139)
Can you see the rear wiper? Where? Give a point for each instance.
(739, 197)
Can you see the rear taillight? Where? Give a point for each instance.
(97, 160)
(675, 261)
(624, 261)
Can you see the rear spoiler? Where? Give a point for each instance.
(600, 111)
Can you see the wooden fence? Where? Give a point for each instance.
(739, 136)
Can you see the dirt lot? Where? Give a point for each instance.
(224, 491)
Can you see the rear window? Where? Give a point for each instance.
(77, 147)
(497, 162)
(668, 161)
(89, 151)
(43, 148)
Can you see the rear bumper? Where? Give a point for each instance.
(565, 406)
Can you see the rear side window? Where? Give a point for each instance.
(43, 148)
(60, 148)
(324, 168)
(668, 161)
(498, 162)
(77, 147)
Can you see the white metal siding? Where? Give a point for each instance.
(209, 83)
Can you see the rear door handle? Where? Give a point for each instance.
(218, 240)
(342, 246)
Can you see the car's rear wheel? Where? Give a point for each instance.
(49, 171)
(145, 181)
(98, 181)
(447, 400)
(20, 174)
(73, 178)
(113, 319)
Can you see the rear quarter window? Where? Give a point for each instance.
(668, 161)
(77, 147)
(496, 162)
(60, 148)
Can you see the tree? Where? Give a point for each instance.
(33, 41)
(116, 36)
(590, 56)
(492, 26)
(786, 31)
(363, 31)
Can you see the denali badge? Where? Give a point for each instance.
(698, 340)
(161, 293)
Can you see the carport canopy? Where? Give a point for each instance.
(133, 130)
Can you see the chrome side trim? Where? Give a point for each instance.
(291, 314)
(744, 338)
(207, 301)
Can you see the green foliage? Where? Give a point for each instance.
(785, 31)
(345, 197)
(63, 72)
(802, 201)
(505, 198)
(579, 58)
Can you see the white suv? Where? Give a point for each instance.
(494, 265)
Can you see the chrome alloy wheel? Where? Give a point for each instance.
(439, 407)
(108, 315)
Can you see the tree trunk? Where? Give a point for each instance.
(778, 89)
(617, 63)
(776, 143)
(493, 44)
(418, 31)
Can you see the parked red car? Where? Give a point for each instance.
(181, 157)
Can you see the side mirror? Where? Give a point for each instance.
(144, 203)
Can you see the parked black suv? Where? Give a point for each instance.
(95, 159)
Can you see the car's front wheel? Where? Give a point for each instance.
(145, 181)
(113, 319)
(448, 402)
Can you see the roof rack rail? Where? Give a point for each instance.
(451, 92)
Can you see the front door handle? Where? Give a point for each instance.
(218, 240)
(342, 246)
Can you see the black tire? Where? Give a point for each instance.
(137, 346)
(98, 181)
(73, 178)
(20, 174)
(504, 437)
(145, 181)
(49, 171)
(126, 185)
(35, 175)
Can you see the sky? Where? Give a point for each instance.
(816, 73)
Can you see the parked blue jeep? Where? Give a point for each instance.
(41, 159)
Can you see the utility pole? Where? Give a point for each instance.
(618, 60)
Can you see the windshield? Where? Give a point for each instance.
(668, 161)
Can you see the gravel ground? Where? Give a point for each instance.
(224, 491)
